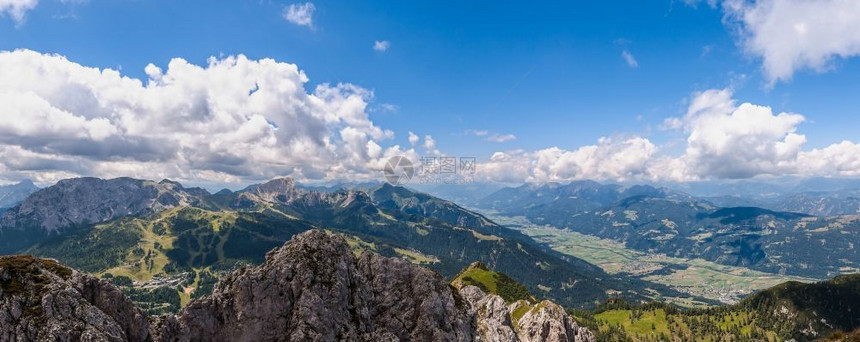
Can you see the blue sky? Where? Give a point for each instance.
(551, 74)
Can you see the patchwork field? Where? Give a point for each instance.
(698, 277)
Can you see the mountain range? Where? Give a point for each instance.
(151, 231)
(187, 255)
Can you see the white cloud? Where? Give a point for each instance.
(430, 145)
(842, 159)
(300, 14)
(508, 167)
(791, 35)
(628, 57)
(381, 45)
(728, 141)
(413, 138)
(233, 118)
(621, 159)
(618, 159)
(16, 9)
(501, 137)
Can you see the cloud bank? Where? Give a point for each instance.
(724, 140)
(232, 119)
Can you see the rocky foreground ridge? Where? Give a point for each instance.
(313, 288)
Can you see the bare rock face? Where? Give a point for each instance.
(542, 322)
(492, 317)
(78, 201)
(282, 190)
(41, 300)
(547, 322)
(314, 289)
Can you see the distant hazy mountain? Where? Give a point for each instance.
(813, 196)
(841, 202)
(467, 194)
(11, 195)
(820, 203)
(568, 198)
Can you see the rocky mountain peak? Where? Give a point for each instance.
(77, 201)
(522, 321)
(282, 190)
(314, 288)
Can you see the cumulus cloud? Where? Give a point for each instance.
(16, 9)
(841, 159)
(728, 141)
(430, 145)
(791, 35)
(300, 14)
(621, 158)
(628, 57)
(413, 138)
(506, 167)
(234, 118)
(381, 45)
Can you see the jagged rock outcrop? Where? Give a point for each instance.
(547, 322)
(521, 321)
(315, 289)
(41, 300)
(492, 317)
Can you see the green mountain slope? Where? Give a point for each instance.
(489, 281)
(802, 312)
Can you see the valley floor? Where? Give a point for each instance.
(697, 277)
